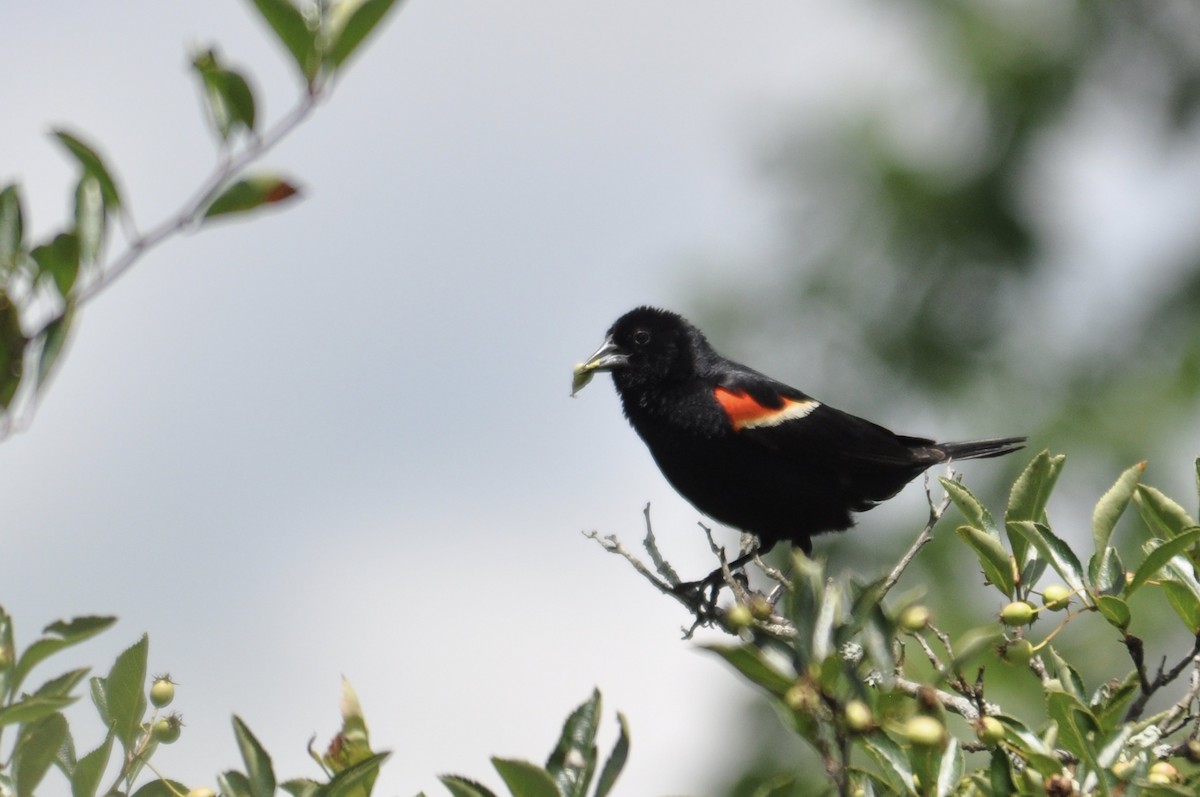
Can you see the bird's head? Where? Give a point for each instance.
(646, 346)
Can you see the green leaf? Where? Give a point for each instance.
(892, 761)
(63, 635)
(7, 652)
(1115, 610)
(85, 780)
(463, 787)
(12, 229)
(1066, 675)
(1050, 548)
(353, 22)
(1076, 723)
(227, 95)
(62, 685)
(91, 219)
(125, 692)
(36, 749)
(972, 508)
(302, 787)
(573, 761)
(1035, 751)
(92, 164)
(997, 566)
(352, 744)
(293, 32)
(950, 769)
(161, 788)
(750, 662)
(54, 340)
(60, 260)
(1029, 495)
(357, 780)
(250, 193)
(33, 709)
(524, 779)
(1112, 505)
(1000, 775)
(234, 784)
(100, 700)
(12, 351)
(973, 642)
(616, 760)
(1106, 572)
(827, 612)
(1164, 517)
(781, 785)
(260, 774)
(1160, 555)
(1031, 491)
(808, 585)
(1108, 705)
(1185, 602)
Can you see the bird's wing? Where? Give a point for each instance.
(772, 414)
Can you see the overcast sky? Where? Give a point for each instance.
(336, 439)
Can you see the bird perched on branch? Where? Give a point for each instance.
(751, 452)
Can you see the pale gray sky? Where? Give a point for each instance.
(337, 439)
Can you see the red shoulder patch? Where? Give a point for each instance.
(745, 412)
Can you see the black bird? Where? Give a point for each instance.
(749, 451)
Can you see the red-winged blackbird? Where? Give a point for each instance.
(751, 452)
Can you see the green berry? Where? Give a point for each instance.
(166, 729)
(1162, 773)
(1017, 613)
(1018, 652)
(914, 618)
(990, 731)
(162, 691)
(761, 608)
(858, 716)
(925, 731)
(800, 696)
(739, 616)
(1056, 597)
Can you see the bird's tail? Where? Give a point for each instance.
(979, 449)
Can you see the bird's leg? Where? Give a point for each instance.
(709, 587)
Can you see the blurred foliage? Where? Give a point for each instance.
(923, 244)
(942, 265)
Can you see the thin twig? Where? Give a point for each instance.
(1162, 678)
(956, 704)
(225, 170)
(935, 513)
(660, 564)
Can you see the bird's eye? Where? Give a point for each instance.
(641, 337)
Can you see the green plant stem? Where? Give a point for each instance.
(138, 244)
(227, 168)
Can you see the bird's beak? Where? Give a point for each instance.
(606, 358)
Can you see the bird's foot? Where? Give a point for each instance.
(703, 594)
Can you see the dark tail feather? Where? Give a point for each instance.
(978, 449)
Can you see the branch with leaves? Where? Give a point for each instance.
(833, 654)
(43, 285)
